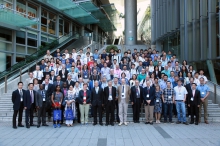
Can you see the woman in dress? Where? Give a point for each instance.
(187, 79)
(133, 79)
(152, 77)
(158, 104)
(56, 99)
(85, 74)
(70, 104)
(184, 63)
(108, 61)
(181, 78)
(184, 71)
(156, 72)
(79, 66)
(151, 67)
(36, 85)
(191, 70)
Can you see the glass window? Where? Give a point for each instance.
(20, 37)
(32, 42)
(20, 49)
(32, 13)
(52, 26)
(5, 46)
(34, 36)
(5, 35)
(60, 30)
(44, 13)
(43, 39)
(31, 50)
(66, 27)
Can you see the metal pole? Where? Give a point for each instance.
(215, 95)
(5, 84)
(20, 74)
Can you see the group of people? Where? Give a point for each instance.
(108, 83)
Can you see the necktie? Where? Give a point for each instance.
(110, 91)
(57, 72)
(137, 92)
(20, 92)
(193, 93)
(123, 89)
(31, 96)
(58, 83)
(37, 75)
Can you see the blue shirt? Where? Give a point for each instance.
(174, 84)
(203, 90)
(163, 85)
(167, 72)
(171, 79)
(153, 55)
(95, 56)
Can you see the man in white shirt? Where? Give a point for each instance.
(81, 54)
(48, 56)
(196, 79)
(57, 69)
(180, 93)
(143, 82)
(89, 51)
(87, 58)
(38, 74)
(74, 54)
(29, 80)
(66, 54)
(201, 74)
(128, 76)
(74, 75)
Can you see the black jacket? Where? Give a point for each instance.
(27, 99)
(97, 98)
(106, 95)
(81, 95)
(151, 95)
(16, 99)
(133, 95)
(196, 98)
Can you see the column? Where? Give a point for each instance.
(130, 22)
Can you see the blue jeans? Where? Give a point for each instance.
(180, 107)
(168, 108)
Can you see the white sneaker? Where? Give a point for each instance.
(126, 124)
(120, 124)
(156, 121)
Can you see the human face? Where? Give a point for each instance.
(30, 87)
(96, 84)
(20, 86)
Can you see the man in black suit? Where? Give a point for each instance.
(41, 104)
(136, 100)
(189, 90)
(18, 105)
(194, 103)
(109, 101)
(52, 76)
(49, 88)
(97, 102)
(69, 81)
(29, 105)
(63, 73)
(58, 82)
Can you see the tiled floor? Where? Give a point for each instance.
(133, 134)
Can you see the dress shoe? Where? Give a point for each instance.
(120, 124)
(112, 124)
(14, 127)
(32, 125)
(191, 122)
(137, 121)
(126, 124)
(45, 125)
(101, 124)
(196, 123)
(38, 126)
(185, 123)
(20, 125)
(106, 124)
(94, 124)
(178, 122)
(206, 122)
(147, 122)
(151, 123)
(49, 119)
(28, 126)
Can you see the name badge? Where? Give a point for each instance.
(84, 98)
(147, 96)
(191, 98)
(123, 94)
(63, 76)
(203, 92)
(110, 97)
(85, 76)
(179, 94)
(157, 100)
(169, 97)
(43, 99)
(21, 99)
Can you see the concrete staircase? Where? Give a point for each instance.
(6, 110)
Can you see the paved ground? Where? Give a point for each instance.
(133, 134)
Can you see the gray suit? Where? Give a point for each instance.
(42, 104)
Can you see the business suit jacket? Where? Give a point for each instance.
(196, 98)
(16, 99)
(88, 97)
(50, 89)
(56, 83)
(106, 95)
(127, 93)
(97, 98)
(39, 98)
(133, 95)
(54, 79)
(71, 83)
(151, 95)
(61, 75)
(161, 68)
(27, 99)
(158, 75)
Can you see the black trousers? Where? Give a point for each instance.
(136, 109)
(194, 110)
(99, 109)
(174, 110)
(20, 111)
(78, 112)
(29, 115)
(110, 108)
(117, 111)
(62, 109)
(42, 114)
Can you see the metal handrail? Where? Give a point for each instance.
(216, 88)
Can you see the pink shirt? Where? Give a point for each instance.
(117, 73)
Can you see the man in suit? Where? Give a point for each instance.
(97, 102)
(29, 105)
(69, 81)
(136, 100)
(123, 100)
(52, 76)
(148, 96)
(63, 73)
(194, 103)
(109, 101)
(189, 90)
(49, 88)
(116, 85)
(41, 104)
(58, 82)
(64, 90)
(18, 105)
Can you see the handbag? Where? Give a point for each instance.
(56, 104)
(57, 115)
(69, 114)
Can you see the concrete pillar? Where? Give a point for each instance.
(130, 22)
(82, 31)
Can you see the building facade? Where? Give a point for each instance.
(190, 29)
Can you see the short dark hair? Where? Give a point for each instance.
(20, 83)
(30, 84)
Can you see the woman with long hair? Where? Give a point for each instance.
(158, 104)
(85, 73)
